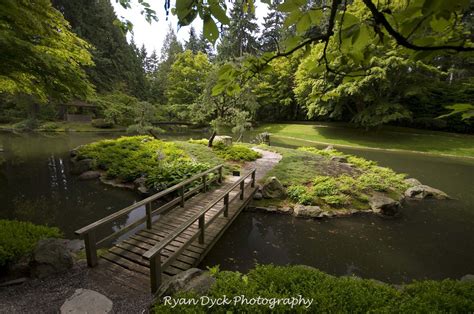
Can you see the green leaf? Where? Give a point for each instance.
(292, 18)
(315, 16)
(290, 5)
(303, 24)
(219, 13)
(210, 30)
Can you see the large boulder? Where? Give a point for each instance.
(224, 139)
(89, 175)
(307, 211)
(412, 182)
(87, 301)
(50, 256)
(273, 189)
(193, 279)
(81, 166)
(384, 205)
(140, 185)
(424, 191)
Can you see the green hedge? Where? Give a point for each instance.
(235, 152)
(329, 294)
(18, 238)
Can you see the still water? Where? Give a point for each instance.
(432, 239)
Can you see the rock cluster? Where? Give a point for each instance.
(50, 256)
(273, 188)
(87, 301)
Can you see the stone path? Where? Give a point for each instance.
(264, 164)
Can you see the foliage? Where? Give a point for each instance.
(187, 80)
(128, 158)
(376, 96)
(18, 239)
(49, 127)
(117, 63)
(235, 152)
(329, 294)
(299, 194)
(239, 37)
(40, 56)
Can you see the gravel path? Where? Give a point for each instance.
(47, 296)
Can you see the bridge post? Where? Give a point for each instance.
(148, 215)
(181, 191)
(226, 205)
(253, 178)
(201, 228)
(155, 272)
(220, 175)
(204, 188)
(242, 186)
(91, 250)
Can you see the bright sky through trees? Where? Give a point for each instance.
(153, 35)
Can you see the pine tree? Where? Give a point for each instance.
(117, 65)
(205, 46)
(193, 42)
(152, 62)
(240, 37)
(272, 28)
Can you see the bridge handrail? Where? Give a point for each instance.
(154, 254)
(88, 232)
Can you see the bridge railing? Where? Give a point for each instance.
(153, 255)
(89, 232)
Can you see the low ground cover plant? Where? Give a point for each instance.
(19, 238)
(329, 294)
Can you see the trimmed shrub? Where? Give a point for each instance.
(101, 124)
(18, 238)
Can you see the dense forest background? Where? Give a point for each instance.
(134, 87)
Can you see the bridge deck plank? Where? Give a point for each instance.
(127, 254)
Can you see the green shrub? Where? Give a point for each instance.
(321, 152)
(235, 152)
(329, 294)
(127, 158)
(18, 239)
(49, 126)
(336, 200)
(201, 141)
(325, 185)
(299, 194)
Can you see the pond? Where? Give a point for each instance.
(430, 240)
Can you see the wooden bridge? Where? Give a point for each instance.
(177, 234)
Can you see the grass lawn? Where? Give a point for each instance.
(433, 142)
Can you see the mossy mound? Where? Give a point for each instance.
(333, 180)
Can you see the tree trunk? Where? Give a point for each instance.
(211, 139)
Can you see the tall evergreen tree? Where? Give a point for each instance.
(272, 28)
(240, 37)
(159, 80)
(117, 65)
(193, 42)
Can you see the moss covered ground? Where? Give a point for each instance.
(313, 178)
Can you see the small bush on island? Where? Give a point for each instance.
(329, 294)
(18, 239)
(235, 152)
